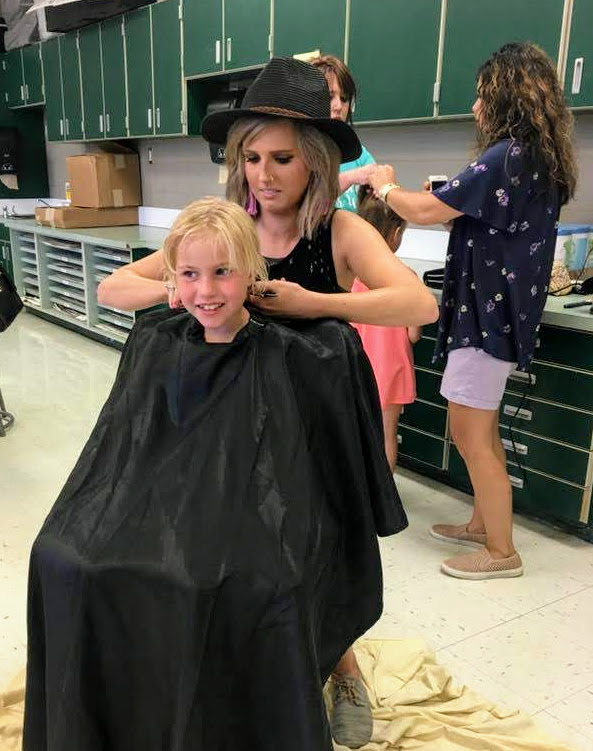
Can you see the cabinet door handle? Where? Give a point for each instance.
(22, 93)
(61, 127)
(100, 123)
(520, 448)
(229, 49)
(67, 127)
(522, 377)
(577, 75)
(217, 52)
(520, 414)
(27, 91)
(150, 118)
(108, 122)
(158, 118)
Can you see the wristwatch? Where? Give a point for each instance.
(385, 189)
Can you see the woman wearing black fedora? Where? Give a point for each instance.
(283, 152)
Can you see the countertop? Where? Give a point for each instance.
(132, 236)
(554, 312)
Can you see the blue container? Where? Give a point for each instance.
(563, 244)
(576, 248)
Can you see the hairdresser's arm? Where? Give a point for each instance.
(419, 207)
(135, 286)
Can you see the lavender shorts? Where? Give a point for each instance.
(474, 378)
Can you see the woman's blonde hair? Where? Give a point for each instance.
(522, 99)
(319, 153)
(226, 223)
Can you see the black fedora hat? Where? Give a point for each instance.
(291, 89)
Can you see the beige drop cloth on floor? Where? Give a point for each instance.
(416, 705)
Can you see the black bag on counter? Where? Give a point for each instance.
(80, 13)
(10, 302)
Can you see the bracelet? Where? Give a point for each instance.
(385, 189)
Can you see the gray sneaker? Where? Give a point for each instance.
(351, 721)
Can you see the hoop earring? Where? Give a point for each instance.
(251, 204)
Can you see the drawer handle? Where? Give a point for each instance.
(217, 52)
(399, 439)
(521, 414)
(519, 375)
(516, 482)
(520, 448)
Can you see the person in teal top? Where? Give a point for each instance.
(342, 89)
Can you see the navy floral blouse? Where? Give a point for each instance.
(499, 256)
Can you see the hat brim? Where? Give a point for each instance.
(215, 129)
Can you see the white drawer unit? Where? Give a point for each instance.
(64, 267)
(104, 262)
(26, 264)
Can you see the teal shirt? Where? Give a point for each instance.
(349, 198)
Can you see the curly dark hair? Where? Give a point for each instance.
(331, 64)
(522, 99)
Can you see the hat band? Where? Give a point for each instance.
(280, 111)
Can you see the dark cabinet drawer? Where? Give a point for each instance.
(556, 459)
(428, 384)
(555, 384)
(423, 352)
(545, 496)
(565, 347)
(426, 417)
(547, 420)
(421, 447)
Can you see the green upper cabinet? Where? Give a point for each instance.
(579, 68)
(54, 101)
(310, 25)
(220, 35)
(89, 42)
(247, 33)
(114, 77)
(139, 68)
(393, 56)
(202, 37)
(168, 81)
(153, 64)
(71, 86)
(23, 81)
(477, 28)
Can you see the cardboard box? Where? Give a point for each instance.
(104, 180)
(69, 217)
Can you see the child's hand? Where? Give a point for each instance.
(414, 333)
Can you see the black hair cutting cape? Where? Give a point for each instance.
(214, 552)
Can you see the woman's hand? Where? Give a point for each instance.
(381, 175)
(173, 296)
(282, 298)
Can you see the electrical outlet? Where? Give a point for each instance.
(150, 155)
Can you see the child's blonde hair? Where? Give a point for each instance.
(227, 223)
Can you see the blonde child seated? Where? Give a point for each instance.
(388, 348)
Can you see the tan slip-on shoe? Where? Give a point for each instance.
(458, 535)
(481, 565)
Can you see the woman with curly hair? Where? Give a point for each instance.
(504, 210)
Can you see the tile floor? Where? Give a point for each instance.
(525, 642)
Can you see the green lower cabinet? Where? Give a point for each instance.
(574, 349)
(425, 417)
(547, 420)
(476, 28)
(555, 384)
(549, 457)
(423, 352)
(428, 384)
(393, 50)
(309, 25)
(421, 447)
(457, 470)
(546, 497)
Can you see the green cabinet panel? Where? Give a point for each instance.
(548, 420)
(571, 348)
(71, 87)
(14, 90)
(89, 41)
(393, 56)
(309, 25)
(247, 30)
(476, 28)
(32, 75)
(580, 56)
(6, 258)
(554, 459)
(428, 385)
(556, 384)
(421, 447)
(114, 77)
(202, 37)
(52, 75)
(139, 64)
(423, 352)
(168, 82)
(544, 496)
(426, 417)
